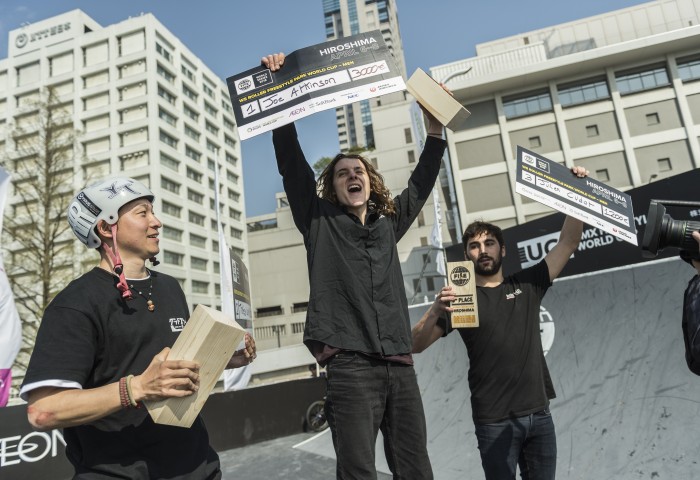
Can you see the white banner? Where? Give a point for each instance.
(10, 326)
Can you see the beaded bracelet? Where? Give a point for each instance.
(132, 402)
(123, 393)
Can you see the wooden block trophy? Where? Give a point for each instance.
(465, 313)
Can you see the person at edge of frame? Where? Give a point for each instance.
(508, 376)
(102, 349)
(691, 310)
(357, 322)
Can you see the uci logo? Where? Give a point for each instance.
(460, 276)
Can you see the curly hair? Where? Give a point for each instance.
(380, 198)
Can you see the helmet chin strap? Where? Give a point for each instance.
(118, 268)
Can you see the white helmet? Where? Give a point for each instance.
(102, 201)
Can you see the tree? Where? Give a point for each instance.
(40, 156)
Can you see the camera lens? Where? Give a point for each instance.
(678, 233)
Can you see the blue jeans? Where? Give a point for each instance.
(528, 441)
(365, 395)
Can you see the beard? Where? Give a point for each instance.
(487, 271)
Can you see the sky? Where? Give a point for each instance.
(231, 36)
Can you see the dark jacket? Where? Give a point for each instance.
(691, 324)
(357, 300)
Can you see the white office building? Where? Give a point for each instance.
(144, 106)
(617, 93)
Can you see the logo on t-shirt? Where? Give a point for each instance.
(511, 296)
(546, 329)
(177, 324)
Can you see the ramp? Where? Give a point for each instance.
(627, 407)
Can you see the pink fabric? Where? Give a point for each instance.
(5, 384)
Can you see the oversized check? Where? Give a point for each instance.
(589, 200)
(316, 78)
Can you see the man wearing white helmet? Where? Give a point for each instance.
(102, 349)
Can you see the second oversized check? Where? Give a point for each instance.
(586, 199)
(316, 78)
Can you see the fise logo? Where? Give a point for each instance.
(535, 249)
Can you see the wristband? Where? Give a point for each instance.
(130, 396)
(123, 393)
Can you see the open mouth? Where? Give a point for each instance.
(354, 188)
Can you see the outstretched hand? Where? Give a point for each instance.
(434, 126)
(165, 378)
(273, 61)
(245, 355)
(580, 172)
(442, 301)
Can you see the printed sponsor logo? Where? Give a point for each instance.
(177, 324)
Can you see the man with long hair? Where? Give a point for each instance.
(508, 376)
(357, 322)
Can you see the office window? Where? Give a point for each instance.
(165, 53)
(194, 175)
(172, 257)
(231, 177)
(61, 64)
(210, 109)
(198, 263)
(169, 162)
(689, 69)
(200, 287)
(195, 196)
(198, 241)
(652, 118)
(527, 104)
(169, 185)
(191, 113)
(602, 175)
(187, 72)
(131, 43)
(641, 80)
(407, 135)
(664, 164)
(231, 159)
(189, 93)
(196, 218)
(229, 141)
(166, 95)
(212, 147)
(235, 233)
(583, 92)
(167, 117)
(165, 73)
(535, 142)
(591, 130)
(411, 157)
(416, 285)
(167, 139)
(421, 219)
(192, 153)
(172, 233)
(171, 209)
(211, 128)
(192, 133)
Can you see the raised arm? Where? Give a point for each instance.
(427, 331)
(569, 239)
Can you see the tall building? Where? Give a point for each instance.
(141, 105)
(350, 17)
(617, 93)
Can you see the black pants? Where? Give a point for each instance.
(365, 395)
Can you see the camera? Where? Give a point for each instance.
(663, 231)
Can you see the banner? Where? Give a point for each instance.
(10, 326)
(236, 297)
(586, 199)
(313, 79)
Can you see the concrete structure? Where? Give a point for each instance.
(143, 106)
(616, 93)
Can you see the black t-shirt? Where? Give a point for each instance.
(508, 376)
(90, 336)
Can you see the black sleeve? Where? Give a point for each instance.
(297, 176)
(65, 348)
(691, 325)
(410, 202)
(443, 322)
(537, 276)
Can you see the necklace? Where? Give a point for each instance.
(149, 302)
